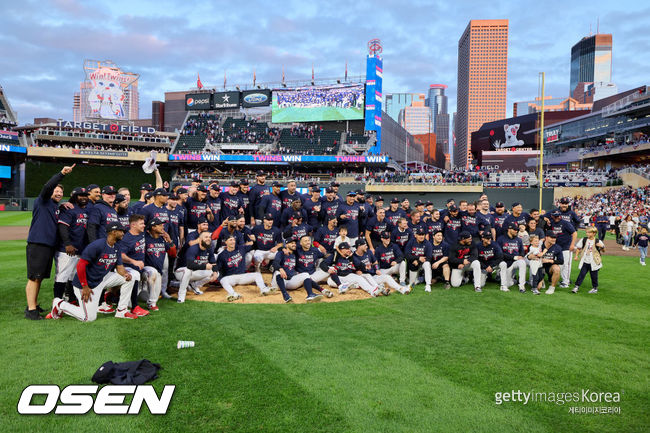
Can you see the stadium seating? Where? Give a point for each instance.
(322, 143)
(357, 139)
(191, 143)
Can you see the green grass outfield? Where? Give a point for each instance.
(417, 363)
(15, 218)
(315, 114)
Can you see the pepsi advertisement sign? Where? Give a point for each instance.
(256, 98)
(198, 101)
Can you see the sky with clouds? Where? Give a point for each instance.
(167, 42)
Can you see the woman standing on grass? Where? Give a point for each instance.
(627, 230)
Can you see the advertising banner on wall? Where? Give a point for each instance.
(107, 89)
(224, 100)
(198, 101)
(276, 158)
(255, 98)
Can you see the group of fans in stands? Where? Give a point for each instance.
(198, 234)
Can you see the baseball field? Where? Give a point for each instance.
(417, 363)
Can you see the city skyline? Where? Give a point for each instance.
(43, 58)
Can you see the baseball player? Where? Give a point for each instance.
(390, 258)
(100, 266)
(289, 212)
(121, 206)
(330, 204)
(375, 227)
(463, 258)
(196, 207)
(341, 265)
(312, 207)
(136, 207)
(513, 258)
(325, 236)
(132, 252)
(255, 195)
(268, 241)
(231, 203)
(490, 256)
(552, 260)
(271, 204)
(440, 260)
(307, 259)
(348, 214)
(72, 234)
(566, 237)
(232, 269)
(394, 213)
(285, 276)
(288, 195)
(197, 265)
(418, 253)
(366, 265)
(158, 244)
(401, 234)
(101, 214)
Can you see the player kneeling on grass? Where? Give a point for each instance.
(489, 256)
(157, 245)
(366, 266)
(390, 258)
(197, 265)
(463, 257)
(285, 276)
(418, 253)
(552, 260)
(440, 260)
(231, 266)
(100, 267)
(342, 272)
(307, 259)
(588, 251)
(513, 258)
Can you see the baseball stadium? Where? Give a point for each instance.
(290, 258)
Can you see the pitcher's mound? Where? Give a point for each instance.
(251, 294)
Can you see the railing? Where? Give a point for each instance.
(624, 102)
(642, 173)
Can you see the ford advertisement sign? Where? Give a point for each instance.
(198, 101)
(256, 98)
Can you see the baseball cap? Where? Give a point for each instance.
(361, 192)
(92, 186)
(344, 246)
(449, 200)
(385, 235)
(315, 189)
(556, 213)
(359, 242)
(174, 197)
(119, 198)
(234, 183)
(80, 190)
(290, 239)
(153, 222)
(277, 184)
(486, 235)
(160, 191)
(148, 195)
(499, 204)
(202, 188)
(215, 187)
(312, 184)
(428, 203)
(329, 190)
(352, 194)
(181, 190)
(513, 226)
(420, 231)
(379, 198)
(515, 204)
(244, 182)
(453, 208)
(146, 187)
(268, 216)
(296, 215)
(464, 235)
(565, 200)
(114, 226)
(368, 196)
(419, 203)
(334, 183)
(202, 220)
(550, 234)
(109, 189)
(260, 173)
(395, 200)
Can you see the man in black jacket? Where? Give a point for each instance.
(41, 240)
(463, 257)
(489, 256)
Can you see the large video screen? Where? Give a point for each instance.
(318, 103)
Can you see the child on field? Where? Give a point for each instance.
(642, 243)
(588, 251)
(342, 237)
(534, 257)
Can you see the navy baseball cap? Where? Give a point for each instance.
(153, 222)
(499, 204)
(453, 208)
(148, 195)
(550, 234)
(420, 231)
(429, 203)
(486, 235)
(344, 246)
(379, 198)
(80, 190)
(464, 235)
(359, 242)
(290, 240)
(556, 213)
(114, 226)
(202, 188)
(244, 182)
(315, 189)
(181, 190)
(419, 203)
(202, 220)
(515, 204)
(277, 184)
(260, 173)
(513, 226)
(565, 200)
(234, 183)
(449, 200)
(160, 191)
(329, 190)
(146, 187)
(385, 235)
(296, 216)
(92, 186)
(312, 184)
(215, 187)
(109, 189)
(119, 198)
(395, 200)
(269, 216)
(334, 183)
(352, 194)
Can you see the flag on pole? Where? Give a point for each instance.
(283, 75)
(224, 80)
(346, 70)
(254, 77)
(312, 72)
(199, 84)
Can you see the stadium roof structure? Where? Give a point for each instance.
(280, 84)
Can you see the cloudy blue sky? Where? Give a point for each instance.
(167, 42)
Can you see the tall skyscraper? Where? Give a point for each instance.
(416, 118)
(482, 78)
(395, 102)
(437, 102)
(591, 61)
